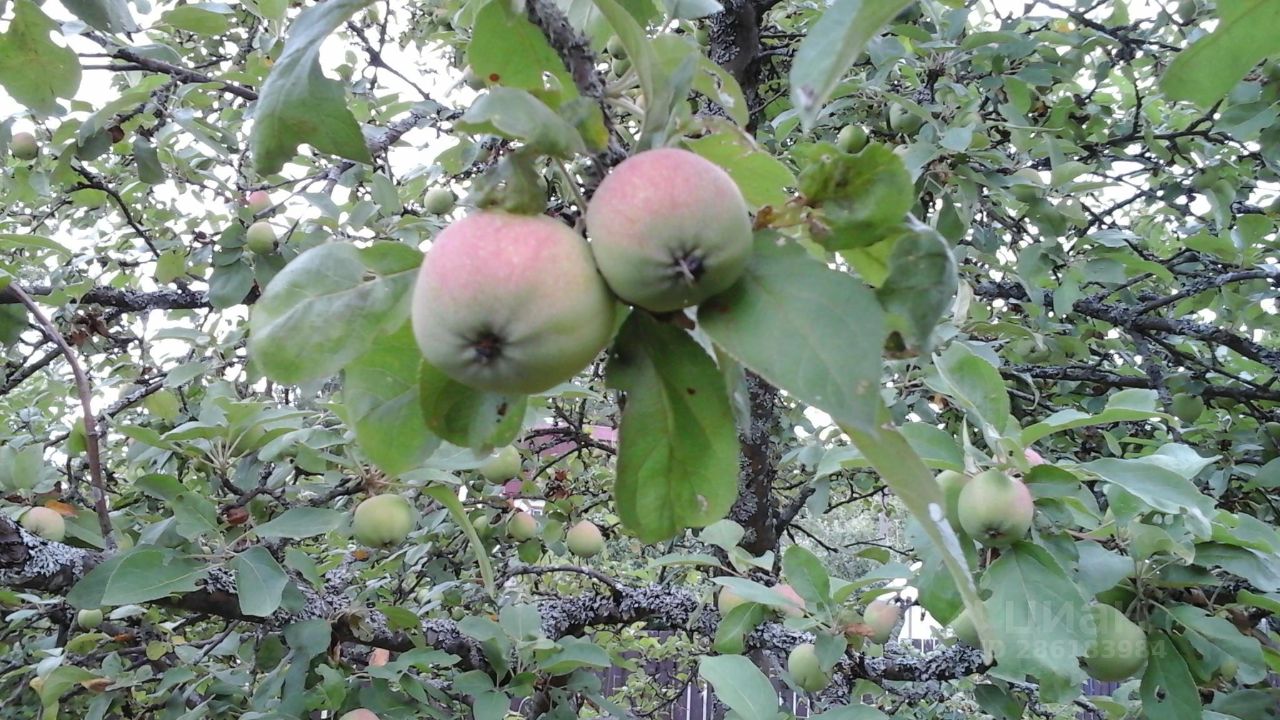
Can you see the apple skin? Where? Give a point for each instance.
(510, 303)
(902, 120)
(359, 714)
(45, 522)
(502, 465)
(995, 509)
(522, 526)
(805, 668)
(383, 521)
(669, 229)
(584, 539)
(796, 603)
(1120, 650)
(727, 600)
(89, 619)
(851, 138)
(260, 238)
(439, 201)
(951, 483)
(24, 146)
(964, 629)
(258, 201)
(881, 617)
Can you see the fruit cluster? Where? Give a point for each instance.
(517, 304)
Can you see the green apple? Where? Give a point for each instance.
(89, 619)
(851, 138)
(882, 618)
(383, 520)
(502, 465)
(24, 146)
(45, 522)
(522, 526)
(260, 238)
(584, 539)
(806, 671)
(439, 201)
(995, 509)
(1120, 649)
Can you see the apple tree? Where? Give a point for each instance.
(369, 359)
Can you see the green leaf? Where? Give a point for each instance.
(1158, 487)
(518, 115)
(1042, 620)
(301, 522)
(678, 445)
(732, 631)
(506, 48)
(260, 581)
(861, 199)
(447, 496)
(298, 104)
(741, 686)
(805, 573)
(1168, 689)
(137, 576)
(572, 654)
(975, 385)
(1207, 70)
(713, 81)
(467, 417)
(380, 392)
(195, 514)
(762, 178)
(197, 19)
(830, 48)
(321, 312)
(1125, 406)
(921, 285)
(851, 712)
(110, 16)
(1209, 633)
(1261, 570)
(832, 326)
(25, 47)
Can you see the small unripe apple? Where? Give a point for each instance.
(995, 509)
(851, 138)
(258, 201)
(1033, 458)
(23, 145)
(902, 120)
(510, 303)
(669, 229)
(522, 526)
(502, 465)
(882, 618)
(1120, 649)
(805, 669)
(584, 539)
(45, 522)
(951, 483)
(438, 201)
(795, 603)
(383, 520)
(359, 714)
(619, 66)
(1187, 408)
(727, 600)
(89, 619)
(260, 238)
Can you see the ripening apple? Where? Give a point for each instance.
(510, 303)
(258, 201)
(727, 600)
(45, 522)
(439, 201)
(89, 618)
(502, 465)
(260, 238)
(23, 145)
(951, 483)
(1120, 649)
(584, 539)
(805, 669)
(522, 526)
(851, 138)
(359, 714)
(795, 604)
(995, 509)
(669, 229)
(882, 618)
(383, 520)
